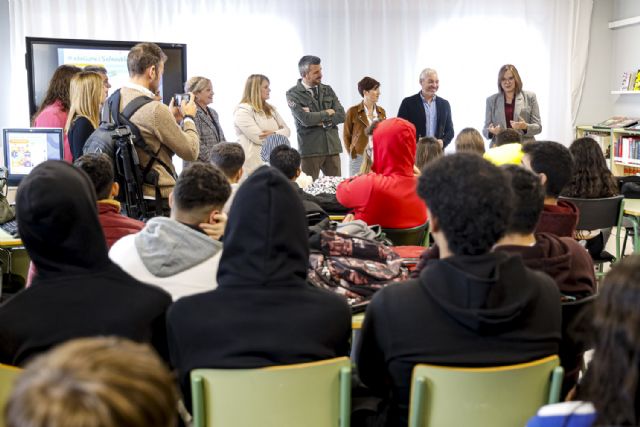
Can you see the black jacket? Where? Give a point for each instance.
(263, 312)
(411, 109)
(465, 311)
(78, 291)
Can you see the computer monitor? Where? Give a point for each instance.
(26, 148)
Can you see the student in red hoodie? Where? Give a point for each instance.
(387, 196)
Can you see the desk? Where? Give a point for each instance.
(7, 241)
(632, 210)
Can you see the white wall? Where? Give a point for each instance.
(625, 56)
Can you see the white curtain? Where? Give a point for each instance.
(391, 40)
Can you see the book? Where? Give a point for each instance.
(636, 85)
(616, 122)
(632, 81)
(624, 85)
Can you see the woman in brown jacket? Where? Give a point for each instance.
(358, 118)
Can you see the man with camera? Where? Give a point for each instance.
(317, 112)
(157, 122)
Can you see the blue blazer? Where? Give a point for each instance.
(411, 109)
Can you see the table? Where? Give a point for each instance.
(356, 321)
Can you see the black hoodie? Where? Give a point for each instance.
(78, 291)
(464, 311)
(263, 312)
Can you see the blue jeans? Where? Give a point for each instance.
(355, 164)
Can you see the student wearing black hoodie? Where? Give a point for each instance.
(78, 291)
(470, 307)
(263, 312)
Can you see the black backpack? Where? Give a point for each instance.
(118, 137)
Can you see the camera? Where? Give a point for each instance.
(179, 97)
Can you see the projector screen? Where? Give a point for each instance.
(45, 55)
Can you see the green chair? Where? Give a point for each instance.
(316, 394)
(416, 236)
(498, 396)
(8, 374)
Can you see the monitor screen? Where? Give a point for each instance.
(24, 149)
(45, 55)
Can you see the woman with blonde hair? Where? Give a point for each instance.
(206, 118)
(469, 140)
(86, 94)
(255, 119)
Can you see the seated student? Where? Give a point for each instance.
(469, 140)
(609, 391)
(106, 382)
(562, 258)
(506, 148)
(387, 196)
(229, 158)
(427, 150)
(470, 307)
(263, 312)
(287, 160)
(100, 171)
(180, 254)
(78, 291)
(553, 163)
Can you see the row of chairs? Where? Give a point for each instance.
(318, 394)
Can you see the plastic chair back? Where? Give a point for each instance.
(316, 394)
(8, 374)
(498, 396)
(407, 236)
(597, 213)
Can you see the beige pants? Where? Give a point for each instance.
(329, 165)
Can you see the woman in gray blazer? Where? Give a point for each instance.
(512, 107)
(206, 118)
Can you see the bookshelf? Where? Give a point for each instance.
(625, 92)
(621, 148)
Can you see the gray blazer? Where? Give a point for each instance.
(210, 132)
(526, 106)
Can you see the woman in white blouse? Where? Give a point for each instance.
(255, 119)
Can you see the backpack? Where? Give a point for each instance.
(118, 137)
(354, 267)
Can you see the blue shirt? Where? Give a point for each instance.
(430, 114)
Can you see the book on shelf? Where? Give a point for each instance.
(616, 122)
(627, 150)
(626, 77)
(636, 85)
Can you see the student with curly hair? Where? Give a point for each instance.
(591, 179)
(470, 307)
(609, 392)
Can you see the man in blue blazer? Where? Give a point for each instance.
(430, 118)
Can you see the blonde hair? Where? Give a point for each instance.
(196, 84)
(428, 150)
(94, 382)
(366, 165)
(469, 140)
(252, 94)
(85, 93)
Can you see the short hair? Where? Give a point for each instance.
(94, 382)
(367, 84)
(469, 140)
(228, 157)
(507, 136)
(58, 89)
(424, 73)
(516, 77)
(552, 159)
(428, 150)
(95, 68)
(196, 84)
(471, 199)
(201, 187)
(306, 62)
(100, 170)
(286, 160)
(528, 199)
(143, 56)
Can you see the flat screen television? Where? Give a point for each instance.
(45, 55)
(26, 148)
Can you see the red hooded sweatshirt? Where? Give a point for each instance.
(387, 196)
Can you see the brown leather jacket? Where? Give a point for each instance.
(355, 123)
